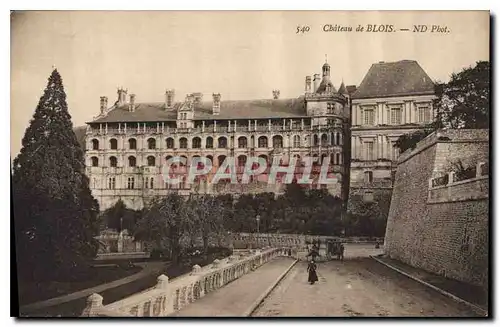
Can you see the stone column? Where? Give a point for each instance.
(353, 147)
(354, 118)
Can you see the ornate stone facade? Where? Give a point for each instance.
(128, 144)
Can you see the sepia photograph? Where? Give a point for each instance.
(250, 164)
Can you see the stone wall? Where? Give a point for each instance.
(442, 229)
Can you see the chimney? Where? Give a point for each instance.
(198, 98)
(131, 104)
(276, 94)
(169, 99)
(122, 96)
(316, 82)
(308, 84)
(216, 104)
(104, 104)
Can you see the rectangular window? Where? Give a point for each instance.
(130, 183)
(424, 114)
(369, 115)
(396, 116)
(369, 150)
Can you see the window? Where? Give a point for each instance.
(151, 144)
(151, 161)
(112, 161)
(316, 140)
(296, 141)
(330, 107)
(396, 116)
(131, 161)
(324, 140)
(242, 161)
(424, 114)
(368, 177)
(113, 144)
(222, 142)
(183, 143)
(132, 144)
(151, 182)
(277, 141)
(369, 150)
(210, 143)
(369, 116)
(112, 183)
(337, 158)
(196, 143)
(95, 144)
(130, 183)
(170, 143)
(242, 142)
(95, 161)
(262, 142)
(337, 138)
(220, 160)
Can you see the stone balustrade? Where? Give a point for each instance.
(169, 296)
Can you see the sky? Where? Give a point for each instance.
(241, 55)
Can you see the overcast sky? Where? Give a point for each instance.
(242, 55)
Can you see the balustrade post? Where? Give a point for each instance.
(94, 304)
(162, 282)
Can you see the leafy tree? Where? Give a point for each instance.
(410, 140)
(120, 217)
(164, 221)
(464, 102)
(55, 213)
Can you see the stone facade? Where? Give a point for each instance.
(393, 99)
(437, 221)
(128, 144)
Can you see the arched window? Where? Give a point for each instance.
(316, 139)
(151, 144)
(277, 141)
(95, 144)
(324, 140)
(323, 157)
(242, 160)
(337, 159)
(209, 142)
(132, 144)
(211, 159)
(220, 160)
(296, 141)
(196, 143)
(242, 142)
(183, 143)
(152, 182)
(222, 142)
(113, 162)
(262, 142)
(170, 143)
(95, 161)
(332, 139)
(337, 138)
(113, 144)
(368, 177)
(151, 161)
(263, 156)
(131, 161)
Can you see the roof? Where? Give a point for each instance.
(404, 77)
(232, 109)
(324, 83)
(342, 89)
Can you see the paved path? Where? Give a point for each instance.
(149, 268)
(234, 299)
(356, 287)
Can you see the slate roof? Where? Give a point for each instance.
(404, 77)
(232, 109)
(322, 86)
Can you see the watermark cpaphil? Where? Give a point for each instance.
(178, 169)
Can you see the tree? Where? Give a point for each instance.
(164, 222)
(55, 213)
(120, 217)
(464, 102)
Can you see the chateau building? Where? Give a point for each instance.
(128, 144)
(393, 99)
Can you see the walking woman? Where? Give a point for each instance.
(311, 269)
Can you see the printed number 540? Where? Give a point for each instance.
(302, 29)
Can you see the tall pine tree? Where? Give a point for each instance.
(55, 215)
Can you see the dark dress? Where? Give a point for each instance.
(311, 269)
